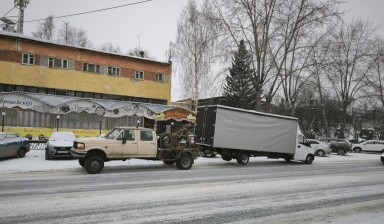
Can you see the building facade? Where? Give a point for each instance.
(34, 66)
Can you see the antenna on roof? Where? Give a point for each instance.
(21, 5)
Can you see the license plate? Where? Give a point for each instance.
(62, 152)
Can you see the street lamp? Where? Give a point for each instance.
(2, 124)
(57, 122)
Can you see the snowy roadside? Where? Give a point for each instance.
(35, 161)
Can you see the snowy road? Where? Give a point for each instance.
(332, 190)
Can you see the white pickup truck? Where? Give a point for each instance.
(124, 143)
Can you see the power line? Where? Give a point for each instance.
(92, 11)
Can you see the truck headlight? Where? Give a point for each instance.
(80, 146)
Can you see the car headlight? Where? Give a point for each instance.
(80, 146)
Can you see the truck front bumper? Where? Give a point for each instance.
(76, 154)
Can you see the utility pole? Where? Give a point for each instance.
(21, 5)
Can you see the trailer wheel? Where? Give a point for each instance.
(166, 140)
(226, 158)
(242, 158)
(94, 164)
(184, 162)
(309, 159)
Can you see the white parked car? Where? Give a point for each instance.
(59, 145)
(321, 148)
(370, 146)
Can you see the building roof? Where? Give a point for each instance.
(25, 37)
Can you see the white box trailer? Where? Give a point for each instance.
(239, 134)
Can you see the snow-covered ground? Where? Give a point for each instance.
(35, 161)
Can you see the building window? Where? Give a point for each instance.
(28, 59)
(114, 71)
(64, 63)
(160, 77)
(91, 68)
(57, 63)
(51, 62)
(139, 75)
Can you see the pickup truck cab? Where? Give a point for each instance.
(124, 143)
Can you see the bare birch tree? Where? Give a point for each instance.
(377, 78)
(193, 49)
(45, 30)
(71, 35)
(350, 63)
(273, 30)
(110, 47)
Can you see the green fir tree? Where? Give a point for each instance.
(238, 88)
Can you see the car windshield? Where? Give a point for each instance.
(62, 136)
(112, 134)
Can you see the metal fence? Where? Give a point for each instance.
(38, 145)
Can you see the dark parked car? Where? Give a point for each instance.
(13, 145)
(59, 145)
(339, 146)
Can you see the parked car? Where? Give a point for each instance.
(339, 146)
(369, 146)
(59, 145)
(13, 145)
(321, 148)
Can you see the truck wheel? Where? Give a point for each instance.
(309, 159)
(166, 140)
(184, 162)
(226, 158)
(243, 158)
(357, 149)
(288, 159)
(167, 162)
(94, 164)
(82, 162)
(320, 153)
(341, 152)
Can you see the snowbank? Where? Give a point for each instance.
(35, 161)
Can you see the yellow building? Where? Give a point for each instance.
(37, 70)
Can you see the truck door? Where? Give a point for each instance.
(125, 144)
(147, 144)
(205, 125)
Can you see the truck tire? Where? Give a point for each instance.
(94, 164)
(309, 159)
(166, 140)
(242, 158)
(185, 162)
(82, 162)
(341, 152)
(168, 162)
(226, 158)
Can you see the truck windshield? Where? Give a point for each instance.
(112, 134)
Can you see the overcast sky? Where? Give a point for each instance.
(152, 25)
